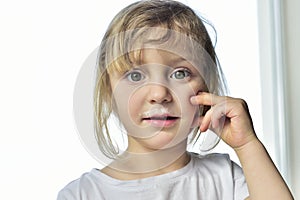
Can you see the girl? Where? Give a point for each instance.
(159, 76)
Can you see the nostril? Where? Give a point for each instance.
(159, 94)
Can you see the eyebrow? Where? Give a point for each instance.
(177, 60)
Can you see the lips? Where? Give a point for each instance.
(161, 120)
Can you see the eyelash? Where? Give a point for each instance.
(134, 71)
(187, 74)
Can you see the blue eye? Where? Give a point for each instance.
(135, 76)
(181, 74)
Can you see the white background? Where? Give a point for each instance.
(43, 45)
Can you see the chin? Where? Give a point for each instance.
(163, 140)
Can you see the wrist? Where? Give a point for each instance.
(252, 146)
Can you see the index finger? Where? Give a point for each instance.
(205, 98)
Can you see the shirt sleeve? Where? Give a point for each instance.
(65, 194)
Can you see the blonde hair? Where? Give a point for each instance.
(118, 54)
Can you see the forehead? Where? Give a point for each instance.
(160, 56)
(158, 45)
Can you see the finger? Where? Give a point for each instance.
(208, 99)
(214, 118)
(206, 120)
(218, 117)
(197, 121)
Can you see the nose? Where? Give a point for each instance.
(158, 94)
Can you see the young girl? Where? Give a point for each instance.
(159, 76)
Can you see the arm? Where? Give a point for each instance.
(263, 179)
(230, 118)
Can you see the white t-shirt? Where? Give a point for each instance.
(210, 177)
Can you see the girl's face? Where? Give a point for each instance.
(153, 100)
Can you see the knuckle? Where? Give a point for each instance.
(242, 104)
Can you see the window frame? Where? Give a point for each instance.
(273, 83)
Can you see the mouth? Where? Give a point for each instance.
(161, 120)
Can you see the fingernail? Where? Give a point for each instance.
(193, 100)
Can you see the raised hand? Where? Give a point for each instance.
(228, 117)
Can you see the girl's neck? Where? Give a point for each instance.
(133, 165)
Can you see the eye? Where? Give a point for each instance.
(135, 76)
(181, 74)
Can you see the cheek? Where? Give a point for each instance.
(121, 97)
(128, 104)
(134, 105)
(190, 113)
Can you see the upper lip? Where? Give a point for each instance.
(159, 114)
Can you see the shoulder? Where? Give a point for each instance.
(213, 159)
(216, 163)
(81, 188)
(220, 170)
